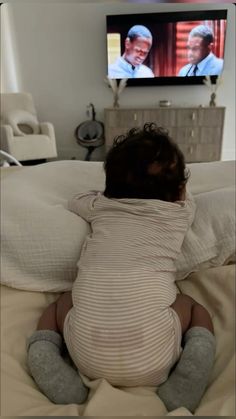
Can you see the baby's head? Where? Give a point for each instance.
(145, 164)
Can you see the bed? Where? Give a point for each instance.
(41, 242)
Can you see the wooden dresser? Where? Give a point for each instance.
(197, 130)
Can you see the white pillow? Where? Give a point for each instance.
(210, 241)
(17, 118)
(41, 239)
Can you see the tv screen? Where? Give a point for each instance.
(166, 48)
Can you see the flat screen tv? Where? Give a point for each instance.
(166, 48)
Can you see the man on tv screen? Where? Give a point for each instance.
(137, 46)
(202, 61)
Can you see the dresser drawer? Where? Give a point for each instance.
(200, 152)
(189, 151)
(113, 133)
(162, 117)
(187, 117)
(211, 117)
(197, 130)
(186, 135)
(124, 118)
(208, 152)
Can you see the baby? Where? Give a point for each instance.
(124, 320)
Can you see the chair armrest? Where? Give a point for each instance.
(6, 130)
(6, 135)
(47, 128)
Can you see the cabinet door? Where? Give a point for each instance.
(210, 135)
(208, 152)
(211, 117)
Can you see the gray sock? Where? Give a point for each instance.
(187, 382)
(58, 380)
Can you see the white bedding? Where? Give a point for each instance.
(49, 186)
(20, 396)
(42, 239)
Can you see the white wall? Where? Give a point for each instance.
(60, 49)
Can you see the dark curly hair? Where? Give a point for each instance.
(145, 164)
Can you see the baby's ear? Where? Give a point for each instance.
(182, 192)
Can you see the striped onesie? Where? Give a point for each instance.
(121, 326)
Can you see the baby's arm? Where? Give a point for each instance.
(189, 204)
(82, 204)
(190, 207)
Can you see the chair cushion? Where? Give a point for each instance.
(22, 122)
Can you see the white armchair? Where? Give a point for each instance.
(22, 135)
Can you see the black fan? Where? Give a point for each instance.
(90, 134)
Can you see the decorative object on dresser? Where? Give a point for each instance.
(117, 88)
(197, 130)
(213, 88)
(22, 135)
(164, 103)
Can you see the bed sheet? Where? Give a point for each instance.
(20, 396)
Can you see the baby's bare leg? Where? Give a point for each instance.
(59, 381)
(187, 382)
(191, 313)
(54, 316)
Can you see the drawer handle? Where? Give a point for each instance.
(190, 150)
(193, 117)
(192, 133)
(135, 117)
